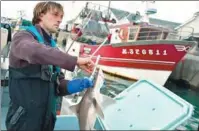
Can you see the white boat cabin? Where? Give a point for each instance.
(133, 32)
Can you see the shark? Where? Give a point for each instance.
(92, 104)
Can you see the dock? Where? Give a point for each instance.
(188, 69)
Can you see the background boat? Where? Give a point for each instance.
(136, 50)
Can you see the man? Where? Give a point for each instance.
(115, 37)
(34, 74)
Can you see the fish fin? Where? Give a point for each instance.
(107, 101)
(75, 109)
(98, 108)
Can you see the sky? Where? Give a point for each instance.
(176, 11)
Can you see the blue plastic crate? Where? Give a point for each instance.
(146, 106)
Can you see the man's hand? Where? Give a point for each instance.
(78, 85)
(85, 64)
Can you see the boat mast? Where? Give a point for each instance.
(109, 5)
(148, 10)
(21, 14)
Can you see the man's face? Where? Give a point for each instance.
(51, 20)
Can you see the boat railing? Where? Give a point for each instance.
(185, 32)
(154, 33)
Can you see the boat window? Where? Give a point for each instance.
(143, 34)
(132, 33)
(151, 34)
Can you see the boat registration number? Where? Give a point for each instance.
(143, 52)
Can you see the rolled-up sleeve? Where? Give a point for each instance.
(25, 47)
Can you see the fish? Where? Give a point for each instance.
(92, 104)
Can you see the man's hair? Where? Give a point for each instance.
(43, 8)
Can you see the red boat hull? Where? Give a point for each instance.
(145, 56)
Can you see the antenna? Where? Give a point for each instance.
(149, 10)
(21, 14)
(109, 4)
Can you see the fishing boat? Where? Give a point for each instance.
(137, 50)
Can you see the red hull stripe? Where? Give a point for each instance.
(137, 65)
(134, 60)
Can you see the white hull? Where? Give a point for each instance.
(4, 37)
(74, 51)
(4, 63)
(158, 76)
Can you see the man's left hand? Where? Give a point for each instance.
(85, 64)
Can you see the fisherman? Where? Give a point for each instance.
(35, 79)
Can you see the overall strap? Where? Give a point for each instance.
(33, 30)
